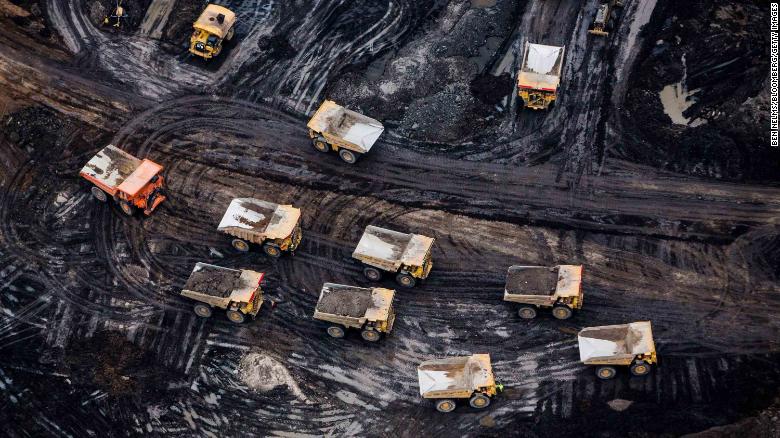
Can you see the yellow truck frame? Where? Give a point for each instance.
(456, 378)
(215, 25)
(369, 310)
(629, 345)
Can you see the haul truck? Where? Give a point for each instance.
(602, 24)
(215, 25)
(555, 287)
(252, 221)
(406, 255)
(133, 183)
(622, 345)
(540, 75)
(351, 134)
(369, 310)
(458, 378)
(237, 291)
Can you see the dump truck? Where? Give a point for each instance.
(336, 128)
(369, 310)
(214, 26)
(618, 345)
(556, 287)
(237, 291)
(540, 75)
(277, 228)
(406, 255)
(458, 378)
(602, 23)
(133, 183)
(117, 15)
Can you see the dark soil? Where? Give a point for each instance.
(728, 65)
(532, 281)
(213, 281)
(345, 301)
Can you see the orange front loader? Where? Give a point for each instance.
(133, 183)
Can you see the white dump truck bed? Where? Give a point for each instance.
(219, 286)
(542, 284)
(390, 249)
(356, 130)
(541, 68)
(352, 305)
(256, 220)
(615, 343)
(456, 377)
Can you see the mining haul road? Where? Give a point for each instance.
(96, 341)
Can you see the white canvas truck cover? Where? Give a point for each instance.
(261, 218)
(354, 128)
(615, 341)
(464, 373)
(393, 247)
(541, 69)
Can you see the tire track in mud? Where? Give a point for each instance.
(379, 376)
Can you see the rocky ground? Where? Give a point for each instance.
(671, 209)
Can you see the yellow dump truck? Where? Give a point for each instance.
(336, 128)
(406, 255)
(618, 345)
(237, 291)
(252, 221)
(540, 75)
(214, 26)
(458, 378)
(369, 310)
(554, 287)
(602, 23)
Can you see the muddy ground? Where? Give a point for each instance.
(95, 339)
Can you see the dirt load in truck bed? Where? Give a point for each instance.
(111, 166)
(531, 280)
(343, 300)
(213, 280)
(345, 124)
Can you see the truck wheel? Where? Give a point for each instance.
(479, 401)
(202, 310)
(445, 405)
(127, 208)
(99, 194)
(348, 156)
(526, 312)
(370, 335)
(272, 250)
(372, 274)
(231, 33)
(405, 280)
(561, 312)
(335, 331)
(321, 145)
(235, 316)
(640, 368)
(606, 373)
(240, 245)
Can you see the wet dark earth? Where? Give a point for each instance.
(674, 220)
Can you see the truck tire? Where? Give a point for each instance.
(640, 368)
(235, 316)
(240, 245)
(372, 274)
(230, 33)
(321, 145)
(479, 401)
(127, 209)
(561, 312)
(405, 280)
(202, 310)
(526, 312)
(99, 194)
(445, 405)
(606, 372)
(348, 156)
(336, 332)
(272, 250)
(370, 335)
